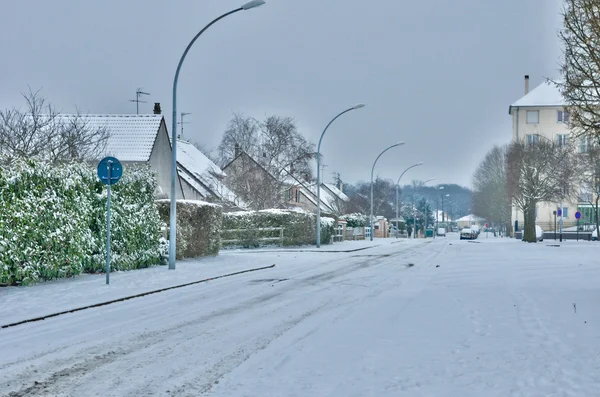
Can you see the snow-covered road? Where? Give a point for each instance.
(413, 318)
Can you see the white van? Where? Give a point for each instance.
(441, 231)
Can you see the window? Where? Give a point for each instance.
(297, 195)
(533, 117)
(565, 212)
(562, 116)
(585, 144)
(562, 140)
(533, 139)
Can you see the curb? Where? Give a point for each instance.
(324, 251)
(131, 297)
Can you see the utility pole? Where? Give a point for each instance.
(137, 100)
(182, 123)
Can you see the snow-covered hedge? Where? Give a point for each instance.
(354, 220)
(135, 222)
(299, 228)
(52, 221)
(198, 227)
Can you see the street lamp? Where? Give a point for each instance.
(360, 105)
(173, 213)
(372, 170)
(397, 192)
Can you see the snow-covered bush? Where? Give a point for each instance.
(44, 222)
(53, 221)
(135, 222)
(299, 228)
(354, 220)
(198, 227)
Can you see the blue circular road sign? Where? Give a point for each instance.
(578, 215)
(110, 170)
(559, 212)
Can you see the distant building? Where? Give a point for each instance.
(540, 114)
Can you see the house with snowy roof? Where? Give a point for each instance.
(202, 179)
(144, 139)
(260, 189)
(135, 139)
(541, 114)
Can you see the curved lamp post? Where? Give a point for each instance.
(173, 213)
(373, 170)
(397, 192)
(319, 171)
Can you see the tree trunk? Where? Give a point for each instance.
(596, 217)
(529, 223)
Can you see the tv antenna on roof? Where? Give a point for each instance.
(137, 101)
(182, 123)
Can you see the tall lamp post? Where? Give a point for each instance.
(397, 192)
(373, 170)
(319, 171)
(173, 214)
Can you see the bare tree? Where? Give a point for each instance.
(276, 150)
(241, 131)
(490, 198)
(41, 132)
(580, 85)
(544, 172)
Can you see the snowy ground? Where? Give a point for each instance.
(497, 318)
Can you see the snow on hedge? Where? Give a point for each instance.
(53, 221)
(299, 228)
(355, 220)
(198, 227)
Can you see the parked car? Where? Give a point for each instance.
(441, 231)
(467, 234)
(539, 234)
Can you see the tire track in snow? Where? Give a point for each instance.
(64, 373)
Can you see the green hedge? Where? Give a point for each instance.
(299, 228)
(52, 221)
(198, 227)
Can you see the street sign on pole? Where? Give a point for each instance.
(577, 215)
(559, 212)
(110, 171)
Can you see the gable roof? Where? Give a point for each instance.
(202, 174)
(545, 94)
(131, 136)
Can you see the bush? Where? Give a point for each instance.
(299, 228)
(135, 222)
(354, 220)
(53, 221)
(198, 227)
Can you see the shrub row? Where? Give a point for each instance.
(299, 228)
(53, 221)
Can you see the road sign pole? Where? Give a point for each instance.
(108, 222)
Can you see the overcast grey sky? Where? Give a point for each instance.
(438, 74)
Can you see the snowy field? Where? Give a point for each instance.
(442, 317)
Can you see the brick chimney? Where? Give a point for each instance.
(236, 150)
(157, 109)
(526, 84)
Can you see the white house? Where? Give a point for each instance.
(136, 139)
(540, 114)
(144, 139)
